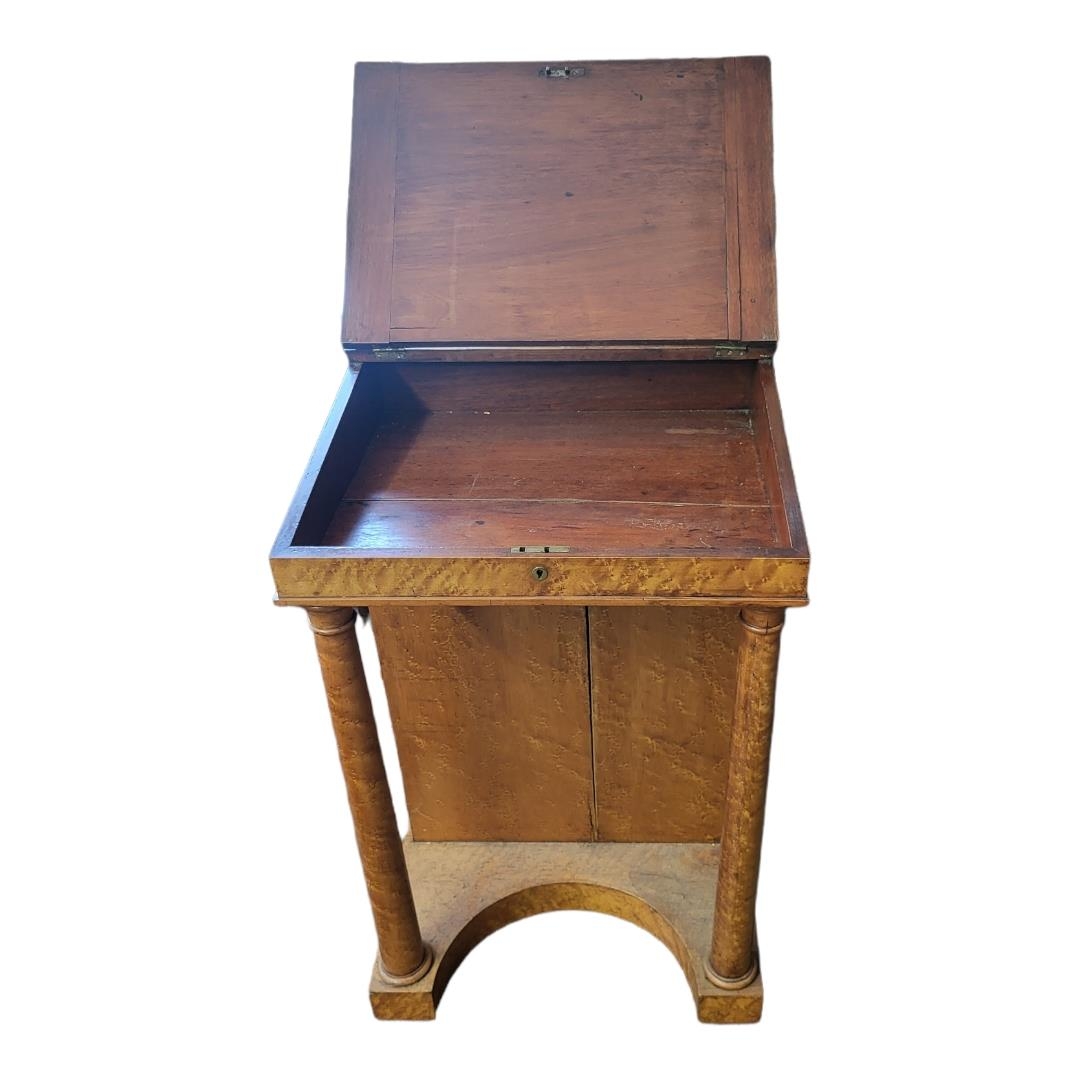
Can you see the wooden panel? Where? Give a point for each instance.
(565, 386)
(731, 195)
(752, 118)
(622, 351)
(535, 209)
(491, 715)
(671, 457)
(776, 462)
(663, 683)
(633, 204)
(370, 236)
(337, 576)
(492, 527)
(315, 498)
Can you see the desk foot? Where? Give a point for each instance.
(466, 891)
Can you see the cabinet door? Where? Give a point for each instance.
(490, 707)
(663, 683)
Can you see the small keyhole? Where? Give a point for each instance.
(539, 572)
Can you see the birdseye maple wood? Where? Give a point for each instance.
(556, 477)
(491, 718)
(732, 960)
(401, 950)
(662, 685)
(465, 892)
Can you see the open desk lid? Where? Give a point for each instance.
(594, 203)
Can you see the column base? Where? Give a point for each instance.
(730, 984)
(413, 976)
(465, 891)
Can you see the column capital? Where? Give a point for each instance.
(329, 621)
(763, 620)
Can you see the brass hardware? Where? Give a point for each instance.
(561, 72)
(538, 549)
(724, 352)
(539, 572)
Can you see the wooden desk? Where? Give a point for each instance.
(556, 475)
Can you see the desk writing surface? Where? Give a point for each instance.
(639, 468)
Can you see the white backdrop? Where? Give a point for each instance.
(181, 896)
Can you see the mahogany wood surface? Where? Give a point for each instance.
(491, 716)
(749, 137)
(597, 458)
(675, 457)
(493, 526)
(656, 480)
(369, 252)
(569, 385)
(630, 203)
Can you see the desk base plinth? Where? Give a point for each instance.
(465, 891)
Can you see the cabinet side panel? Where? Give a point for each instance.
(490, 707)
(663, 684)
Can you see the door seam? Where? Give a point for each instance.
(594, 811)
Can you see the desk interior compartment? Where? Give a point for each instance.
(593, 457)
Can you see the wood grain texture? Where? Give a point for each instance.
(490, 708)
(309, 503)
(313, 575)
(733, 290)
(678, 456)
(557, 352)
(565, 386)
(491, 205)
(453, 461)
(492, 527)
(434, 550)
(663, 682)
(351, 426)
(369, 251)
(732, 953)
(401, 949)
(752, 120)
(542, 209)
(776, 462)
(586, 729)
(465, 892)
(599, 481)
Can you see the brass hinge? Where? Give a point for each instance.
(538, 549)
(727, 351)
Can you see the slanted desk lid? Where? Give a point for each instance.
(589, 202)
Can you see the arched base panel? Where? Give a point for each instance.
(466, 891)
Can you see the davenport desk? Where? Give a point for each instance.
(556, 476)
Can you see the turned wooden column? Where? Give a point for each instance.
(732, 959)
(403, 957)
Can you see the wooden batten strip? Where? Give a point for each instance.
(756, 203)
(372, 183)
